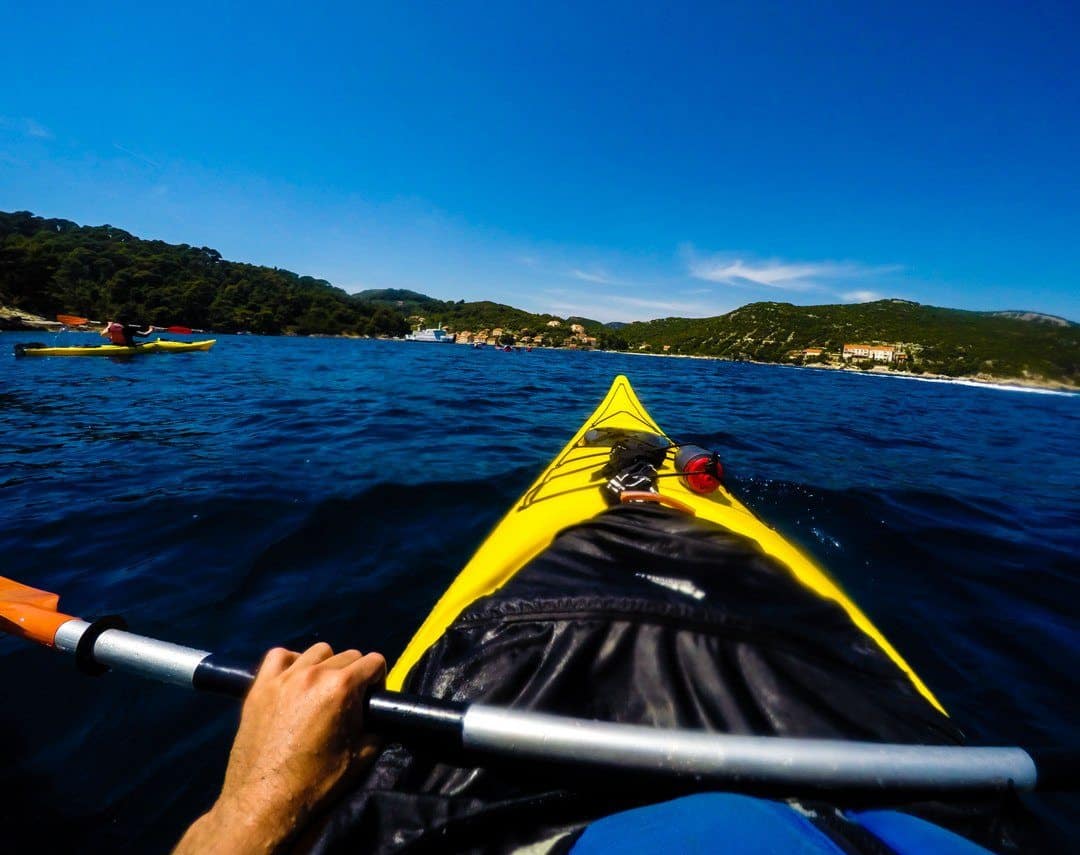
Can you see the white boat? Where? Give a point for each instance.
(438, 335)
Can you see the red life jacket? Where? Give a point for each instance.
(116, 333)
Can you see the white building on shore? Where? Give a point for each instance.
(876, 352)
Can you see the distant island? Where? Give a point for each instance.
(51, 266)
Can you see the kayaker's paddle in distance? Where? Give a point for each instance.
(707, 759)
(74, 320)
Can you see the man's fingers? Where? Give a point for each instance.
(342, 659)
(358, 677)
(276, 661)
(359, 669)
(367, 670)
(315, 654)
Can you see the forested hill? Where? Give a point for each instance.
(56, 266)
(1022, 345)
(50, 266)
(480, 314)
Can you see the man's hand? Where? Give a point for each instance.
(300, 738)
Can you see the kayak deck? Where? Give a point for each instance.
(156, 346)
(567, 493)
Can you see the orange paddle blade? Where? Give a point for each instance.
(28, 612)
(72, 320)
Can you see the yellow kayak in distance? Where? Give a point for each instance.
(569, 491)
(157, 346)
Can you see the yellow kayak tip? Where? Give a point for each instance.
(566, 492)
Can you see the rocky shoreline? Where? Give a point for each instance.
(1025, 383)
(16, 320)
(985, 379)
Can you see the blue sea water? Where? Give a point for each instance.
(287, 490)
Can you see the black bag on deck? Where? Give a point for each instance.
(644, 615)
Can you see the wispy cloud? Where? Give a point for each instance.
(36, 129)
(622, 308)
(137, 156)
(558, 265)
(26, 127)
(599, 277)
(861, 296)
(728, 269)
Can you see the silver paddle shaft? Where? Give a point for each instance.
(136, 654)
(729, 760)
(712, 759)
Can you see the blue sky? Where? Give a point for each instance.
(614, 160)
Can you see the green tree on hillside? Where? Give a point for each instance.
(51, 266)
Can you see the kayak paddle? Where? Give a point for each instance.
(74, 320)
(708, 759)
(174, 329)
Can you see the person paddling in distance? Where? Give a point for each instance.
(123, 334)
(301, 740)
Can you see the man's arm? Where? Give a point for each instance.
(300, 739)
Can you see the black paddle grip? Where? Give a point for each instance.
(430, 721)
(222, 678)
(426, 720)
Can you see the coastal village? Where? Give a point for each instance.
(573, 336)
(896, 355)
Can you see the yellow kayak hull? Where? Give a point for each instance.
(566, 493)
(157, 346)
